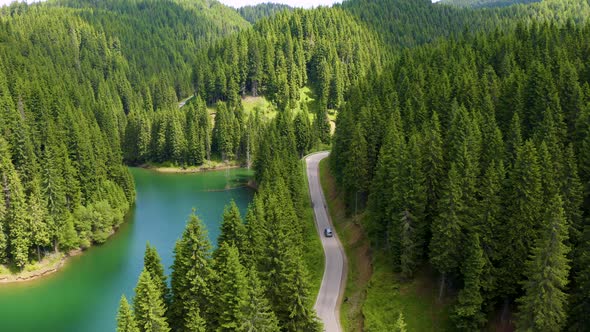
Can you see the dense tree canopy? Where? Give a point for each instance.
(496, 182)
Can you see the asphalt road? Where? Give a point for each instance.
(328, 302)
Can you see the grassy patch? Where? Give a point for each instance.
(374, 291)
(49, 262)
(313, 252)
(262, 104)
(417, 300)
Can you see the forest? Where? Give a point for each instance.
(482, 169)
(462, 141)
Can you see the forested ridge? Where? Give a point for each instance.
(263, 10)
(481, 170)
(63, 182)
(485, 3)
(409, 23)
(326, 49)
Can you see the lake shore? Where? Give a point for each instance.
(191, 169)
(48, 265)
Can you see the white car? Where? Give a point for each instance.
(328, 232)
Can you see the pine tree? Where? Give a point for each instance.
(413, 228)
(355, 171)
(125, 318)
(258, 313)
(488, 222)
(447, 227)
(232, 227)
(193, 321)
(303, 132)
(433, 165)
(385, 186)
(153, 264)
(191, 273)
(543, 307)
(573, 197)
(522, 218)
(257, 233)
(230, 290)
(37, 214)
(148, 306)
(578, 318)
(468, 315)
(513, 140)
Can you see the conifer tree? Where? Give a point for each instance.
(488, 222)
(125, 318)
(149, 309)
(433, 164)
(230, 290)
(578, 318)
(191, 273)
(193, 321)
(446, 228)
(38, 218)
(153, 264)
(543, 307)
(413, 228)
(256, 235)
(258, 313)
(467, 313)
(232, 227)
(522, 218)
(513, 140)
(573, 197)
(355, 171)
(385, 184)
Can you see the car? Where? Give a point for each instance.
(328, 232)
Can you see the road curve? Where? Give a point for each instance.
(330, 296)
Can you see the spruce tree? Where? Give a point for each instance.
(522, 220)
(543, 306)
(149, 309)
(232, 227)
(446, 228)
(355, 171)
(386, 185)
(488, 224)
(191, 273)
(413, 228)
(468, 315)
(258, 314)
(153, 264)
(37, 214)
(125, 318)
(578, 318)
(230, 290)
(433, 165)
(257, 233)
(193, 321)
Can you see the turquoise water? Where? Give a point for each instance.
(84, 295)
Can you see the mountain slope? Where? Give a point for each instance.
(485, 3)
(407, 23)
(159, 38)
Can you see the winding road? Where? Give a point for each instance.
(328, 302)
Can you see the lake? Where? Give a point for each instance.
(84, 296)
